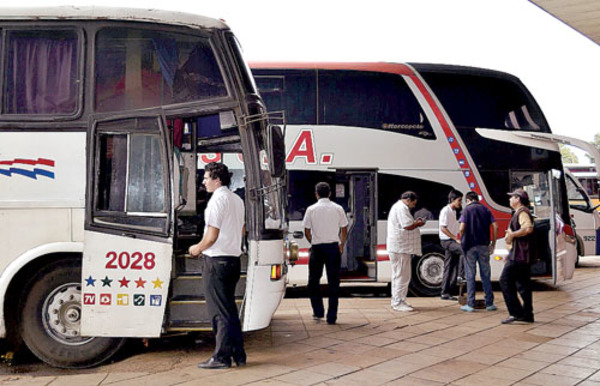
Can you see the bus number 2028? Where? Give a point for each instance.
(135, 260)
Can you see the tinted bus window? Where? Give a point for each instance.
(292, 91)
(140, 68)
(486, 102)
(372, 100)
(42, 72)
(433, 196)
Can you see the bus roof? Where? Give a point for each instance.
(386, 67)
(392, 68)
(110, 13)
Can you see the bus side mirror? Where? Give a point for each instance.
(277, 151)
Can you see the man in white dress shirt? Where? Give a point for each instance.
(221, 247)
(403, 241)
(325, 227)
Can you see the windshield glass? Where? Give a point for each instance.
(577, 198)
(486, 101)
(138, 68)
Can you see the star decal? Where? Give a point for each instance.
(90, 281)
(124, 282)
(157, 283)
(140, 283)
(106, 281)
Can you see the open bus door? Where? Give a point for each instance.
(555, 253)
(564, 248)
(355, 192)
(128, 233)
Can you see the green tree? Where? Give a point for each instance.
(568, 157)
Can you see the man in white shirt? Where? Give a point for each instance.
(449, 229)
(221, 247)
(403, 241)
(325, 227)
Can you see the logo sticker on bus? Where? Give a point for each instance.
(105, 299)
(30, 168)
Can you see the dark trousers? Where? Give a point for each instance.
(516, 277)
(327, 255)
(220, 276)
(452, 266)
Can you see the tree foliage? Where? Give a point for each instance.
(568, 157)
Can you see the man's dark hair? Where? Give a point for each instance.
(410, 195)
(472, 196)
(323, 190)
(453, 195)
(220, 171)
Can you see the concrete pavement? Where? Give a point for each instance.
(436, 344)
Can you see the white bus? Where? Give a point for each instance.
(107, 119)
(585, 216)
(375, 130)
(587, 176)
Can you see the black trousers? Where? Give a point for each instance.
(328, 256)
(220, 276)
(452, 266)
(516, 278)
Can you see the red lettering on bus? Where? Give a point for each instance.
(208, 158)
(303, 147)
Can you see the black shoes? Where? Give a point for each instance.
(213, 364)
(448, 297)
(512, 319)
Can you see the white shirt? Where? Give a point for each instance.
(225, 211)
(448, 219)
(324, 219)
(400, 240)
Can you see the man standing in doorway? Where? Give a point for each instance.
(476, 223)
(403, 241)
(221, 248)
(448, 233)
(326, 228)
(516, 274)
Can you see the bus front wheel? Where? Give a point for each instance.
(428, 271)
(51, 315)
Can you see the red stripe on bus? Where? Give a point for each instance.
(391, 68)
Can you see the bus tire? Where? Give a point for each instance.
(428, 271)
(49, 324)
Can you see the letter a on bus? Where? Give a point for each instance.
(303, 147)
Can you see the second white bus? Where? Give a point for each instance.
(374, 130)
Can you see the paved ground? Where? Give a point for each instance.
(372, 345)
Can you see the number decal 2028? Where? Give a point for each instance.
(135, 260)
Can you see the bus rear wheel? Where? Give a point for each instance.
(428, 271)
(51, 316)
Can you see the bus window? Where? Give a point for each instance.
(301, 191)
(474, 101)
(295, 92)
(42, 72)
(130, 183)
(140, 68)
(577, 198)
(433, 196)
(373, 100)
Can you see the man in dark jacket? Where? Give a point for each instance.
(516, 275)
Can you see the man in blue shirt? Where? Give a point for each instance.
(476, 222)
